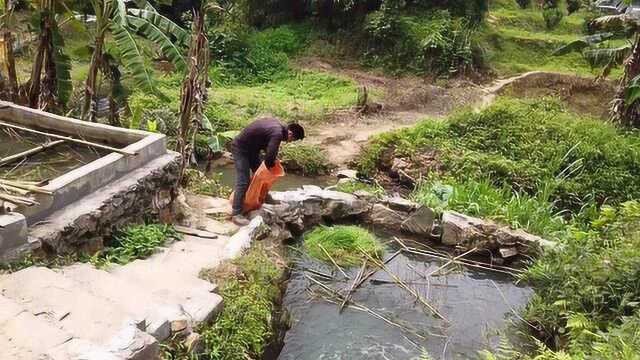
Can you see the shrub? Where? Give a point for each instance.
(552, 17)
(343, 243)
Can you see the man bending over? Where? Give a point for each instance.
(264, 134)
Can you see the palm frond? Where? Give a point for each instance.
(131, 56)
(583, 43)
(167, 47)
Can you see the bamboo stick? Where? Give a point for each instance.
(406, 287)
(470, 263)
(24, 154)
(16, 200)
(370, 273)
(333, 261)
(451, 261)
(25, 186)
(353, 286)
(70, 139)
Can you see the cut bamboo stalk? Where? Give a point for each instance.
(24, 154)
(353, 286)
(11, 189)
(16, 200)
(70, 139)
(370, 273)
(451, 261)
(470, 263)
(25, 186)
(333, 261)
(406, 287)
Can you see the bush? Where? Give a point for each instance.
(552, 17)
(308, 159)
(343, 243)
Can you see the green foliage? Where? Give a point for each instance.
(308, 159)
(439, 44)
(352, 186)
(586, 289)
(524, 3)
(523, 144)
(135, 242)
(244, 327)
(199, 183)
(481, 198)
(344, 244)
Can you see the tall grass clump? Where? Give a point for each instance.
(249, 287)
(307, 159)
(344, 244)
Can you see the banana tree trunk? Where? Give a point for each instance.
(44, 43)
(10, 66)
(89, 108)
(628, 115)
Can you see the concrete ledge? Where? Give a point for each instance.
(13, 236)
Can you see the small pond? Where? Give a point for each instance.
(477, 303)
(289, 182)
(46, 165)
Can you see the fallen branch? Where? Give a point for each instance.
(70, 139)
(24, 154)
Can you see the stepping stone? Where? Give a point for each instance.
(64, 304)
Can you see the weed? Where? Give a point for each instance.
(199, 183)
(135, 242)
(352, 186)
(343, 243)
(308, 159)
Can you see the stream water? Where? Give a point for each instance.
(288, 182)
(476, 303)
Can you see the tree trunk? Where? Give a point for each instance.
(35, 84)
(89, 111)
(194, 90)
(10, 66)
(621, 112)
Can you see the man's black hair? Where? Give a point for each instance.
(297, 130)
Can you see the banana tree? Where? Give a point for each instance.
(50, 84)
(605, 50)
(117, 23)
(7, 23)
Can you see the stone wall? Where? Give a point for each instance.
(290, 213)
(85, 225)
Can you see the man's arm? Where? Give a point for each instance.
(272, 150)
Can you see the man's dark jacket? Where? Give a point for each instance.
(263, 134)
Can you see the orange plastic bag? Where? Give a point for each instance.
(261, 183)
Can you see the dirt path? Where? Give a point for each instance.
(406, 101)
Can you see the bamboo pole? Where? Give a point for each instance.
(16, 200)
(70, 139)
(451, 262)
(12, 158)
(25, 186)
(353, 286)
(333, 261)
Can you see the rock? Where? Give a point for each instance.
(400, 204)
(242, 239)
(179, 326)
(462, 230)
(420, 222)
(526, 243)
(311, 188)
(347, 174)
(383, 216)
(508, 252)
(365, 196)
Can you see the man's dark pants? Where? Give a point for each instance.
(245, 164)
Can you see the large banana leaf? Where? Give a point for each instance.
(583, 43)
(607, 56)
(633, 91)
(165, 25)
(119, 12)
(158, 37)
(131, 56)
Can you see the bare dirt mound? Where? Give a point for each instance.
(582, 95)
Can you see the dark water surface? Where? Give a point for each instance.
(288, 182)
(467, 297)
(46, 165)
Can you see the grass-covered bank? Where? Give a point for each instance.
(251, 321)
(534, 165)
(344, 245)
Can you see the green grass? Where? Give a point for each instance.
(199, 183)
(308, 159)
(344, 244)
(245, 326)
(524, 144)
(353, 186)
